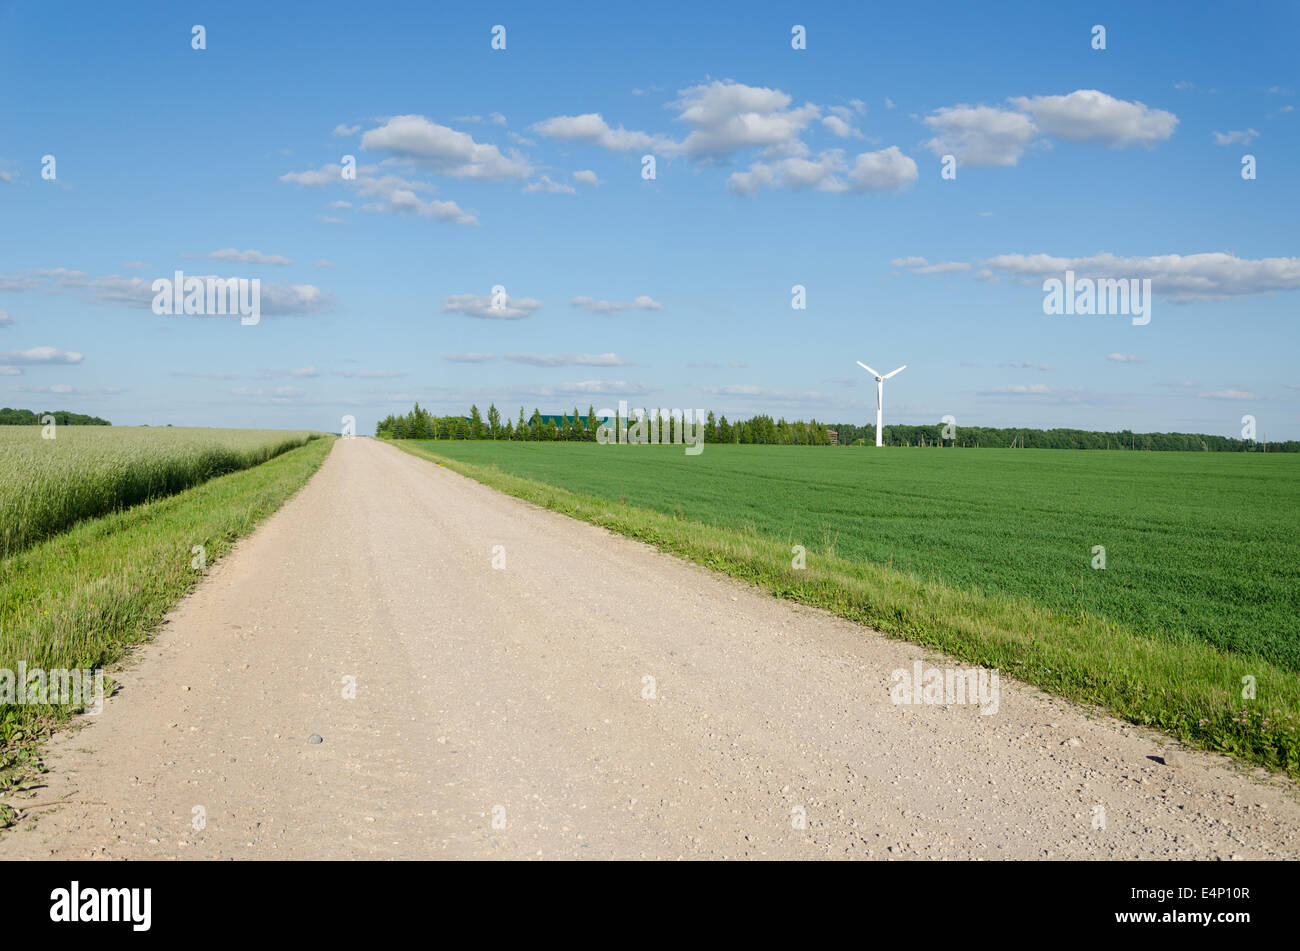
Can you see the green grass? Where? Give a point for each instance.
(79, 599)
(987, 554)
(48, 485)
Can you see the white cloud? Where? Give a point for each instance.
(5, 319)
(304, 371)
(248, 257)
(922, 266)
(1191, 277)
(980, 135)
(750, 392)
(1032, 389)
(40, 355)
(65, 389)
(592, 129)
(841, 127)
(570, 360)
(342, 129)
(547, 184)
(1236, 137)
(1088, 115)
(315, 178)
(587, 388)
(586, 177)
(727, 116)
(444, 150)
(1230, 394)
(888, 169)
(10, 371)
(480, 305)
(398, 196)
(468, 357)
(1123, 358)
(643, 302)
(325, 264)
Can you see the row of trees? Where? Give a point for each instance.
(419, 423)
(25, 417)
(989, 438)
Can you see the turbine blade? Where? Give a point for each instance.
(867, 368)
(899, 370)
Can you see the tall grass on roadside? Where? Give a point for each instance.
(77, 600)
(48, 485)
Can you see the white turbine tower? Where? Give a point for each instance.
(880, 396)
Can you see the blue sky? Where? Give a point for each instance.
(522, 168)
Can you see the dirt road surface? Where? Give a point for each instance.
(504, 712)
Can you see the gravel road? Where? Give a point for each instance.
(506, 712)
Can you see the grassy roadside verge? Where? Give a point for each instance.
(78, 600)
(1190, 689)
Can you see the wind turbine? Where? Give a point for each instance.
(880, 395)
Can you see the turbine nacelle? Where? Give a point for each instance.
(880, 396)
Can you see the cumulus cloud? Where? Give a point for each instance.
(643, 302)
(388, 193)
(587, 388)
(40, 355)
(396, 195)
(546, 184)
(840, 127)
(1238, 137)
(726, 116)
(592, 129)
(480, 305)
(277, 299)
(249, 257)
(919, 265)
(980, 135)
(342, 129)
(445, 151)
(1088, 115)
(989, 135)
(586, 177)
(1191, 277)
(1037, 390)
(570, 360)
(315, 178)
(1231, 393)
(886, 170)
(747, 391)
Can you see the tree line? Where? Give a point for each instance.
(419, 423)
(25, 417)
(1016, 438)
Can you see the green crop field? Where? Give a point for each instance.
(1202, 554)
(48, 485)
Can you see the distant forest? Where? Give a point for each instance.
(764, 430)
(25, 417)
(979, 436)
